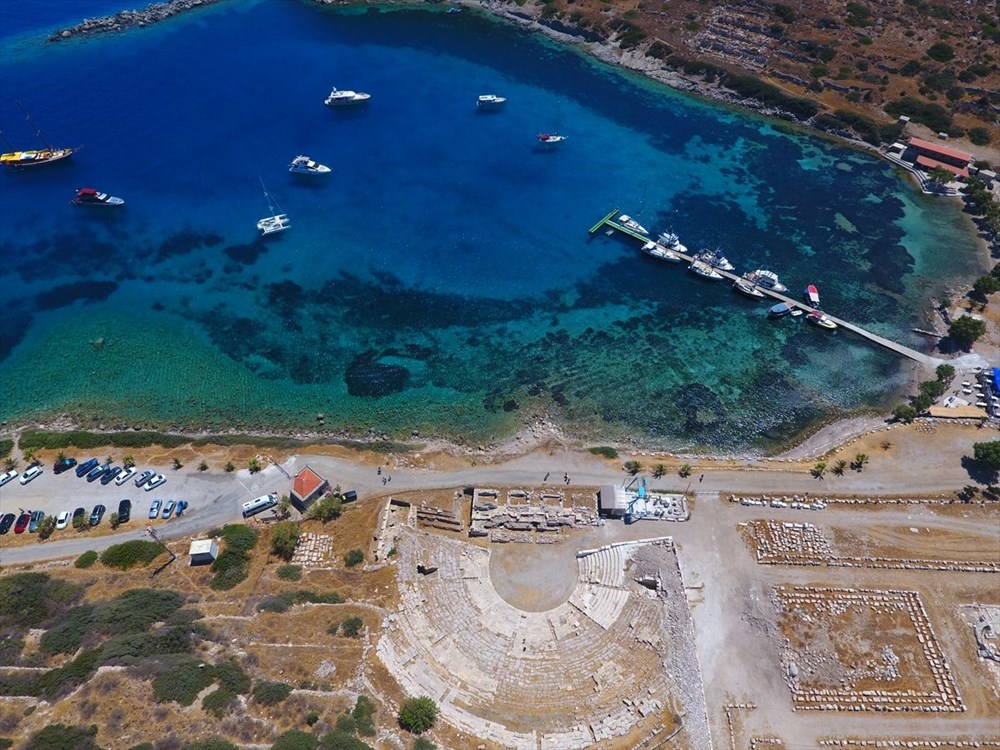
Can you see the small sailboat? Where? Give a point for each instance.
(18, 159)
(554, 138)
(305, 165)
(92, 197)
(276, 222)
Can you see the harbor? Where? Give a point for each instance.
(609, 221)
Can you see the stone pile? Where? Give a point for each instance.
(313, 550)
(129, 19)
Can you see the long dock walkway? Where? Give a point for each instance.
(924, 359)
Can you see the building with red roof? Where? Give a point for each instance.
(307, 488)
(930, 155)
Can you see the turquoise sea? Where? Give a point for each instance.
(441, 279)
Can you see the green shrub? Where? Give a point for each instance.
(604, 450)
(352, 626)
(354, 557)
(364, 716)
(67, 635)
(346, 723)
(295, 739)
(134, 611)
(980, 136)
(218, 702)
(287, 599)
(269, 693)
(284, 537)
(183, 683)
(422, 743)
(5, 743)
(129, 554)
(62, 737)
(941, 52)
(232, 677)
(417, 715)
(209, 743)
(132, 647)
(233, 564)
(933, 116)
(328, 509)
(343, 741)
(6, 447)
(85, 560)
(290, 572)
(64, 679)
(10, 650)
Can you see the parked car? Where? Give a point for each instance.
(62, 520)
(110, 474)
(155, 482)
(7, 476)
(36, 518)
(182, 506)
(124, 476)
(97, 472)
(124, 511)
(22, 523)
(63, 464)
(6, 522)
(144, 477)
(97, 515)
(78, 513)
(86, 467)
(154, 508)
(31, 473)
(168, 509)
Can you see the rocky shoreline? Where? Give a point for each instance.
(128, 19)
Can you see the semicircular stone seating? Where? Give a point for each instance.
(590, 669)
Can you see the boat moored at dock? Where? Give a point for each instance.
(747, 287)
(817, 318)
(704, 270)
(767, 280)
(715, 259)
(629, 223)
(812, 295)
(672, 242)
(659, 251)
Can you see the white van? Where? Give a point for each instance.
(259, 505)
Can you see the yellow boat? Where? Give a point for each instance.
(33, 158)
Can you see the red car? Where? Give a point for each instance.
(22, 523)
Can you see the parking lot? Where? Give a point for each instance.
(214, 499)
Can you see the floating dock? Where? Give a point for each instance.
(924, 359)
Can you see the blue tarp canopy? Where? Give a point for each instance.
(996, 379)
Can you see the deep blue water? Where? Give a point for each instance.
(441, 279)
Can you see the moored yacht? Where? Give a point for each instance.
(812, 295)
(659, 251)
(704, 270)
(747, 287)
(820, 319)
(716, 259)
(672, 242)
(91, 197)
(780, 310)
(768, 280)
(490, 101)
(339, 98)
(305, 165)
(629, 223)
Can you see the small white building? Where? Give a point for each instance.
(203, 551)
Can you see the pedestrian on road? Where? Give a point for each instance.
(379, 472)
(546, 477)
(701, 477)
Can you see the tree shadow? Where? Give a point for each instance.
(977, 472)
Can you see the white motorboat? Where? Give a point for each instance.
(659, 251)
(704, 270)
(672, 241)
(818, 318)
(716, 259)
(276, 222)
(747, 287)
(340, 98)
(490, 101)
(550, 139)
(305, 165)
(629, 223)
(768, 280)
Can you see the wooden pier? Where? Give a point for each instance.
(924, 359)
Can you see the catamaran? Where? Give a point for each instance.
(276, 222)
(34, 157)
